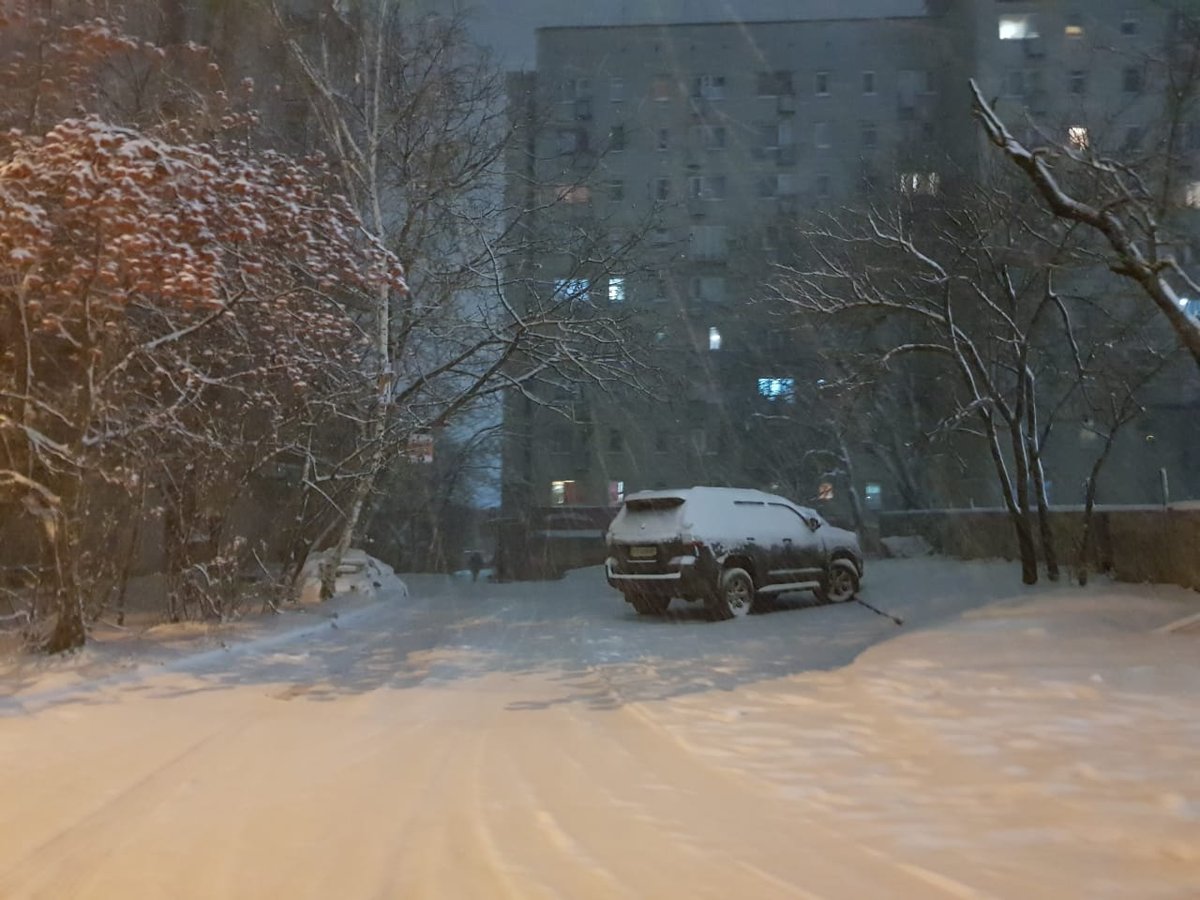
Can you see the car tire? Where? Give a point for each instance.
(840, 584)
(735, 595)
(649, 604)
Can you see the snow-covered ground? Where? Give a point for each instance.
(539, 740)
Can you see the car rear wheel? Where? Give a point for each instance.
(649, 604)
(840, 583)
(735, 596)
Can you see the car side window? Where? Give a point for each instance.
(788, 522)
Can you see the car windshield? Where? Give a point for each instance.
(688, 448)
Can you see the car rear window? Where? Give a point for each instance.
(653, 503)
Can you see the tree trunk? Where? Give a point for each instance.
(1025, 542)
(362, 491)
(69, 630)
(131, 552)
(1016, 504)
(1045, 528)
(1033, 444)
(856, 507)
(1082, 560)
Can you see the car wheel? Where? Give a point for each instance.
(840, 584)
(735, 597)
(649, 604)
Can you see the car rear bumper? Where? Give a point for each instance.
(690, 578)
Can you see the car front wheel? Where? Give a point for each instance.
(840, 583)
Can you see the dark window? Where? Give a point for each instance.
(664, 139)
(1077, 82)
(660, 441)
(616, 190)
(616, 137)
(616, 440)
(868, 82)
(822, 84)
(662, 189)
(870, 134)
(1131, 80)
(772, 84)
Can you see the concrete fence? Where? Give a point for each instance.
(1133, 543)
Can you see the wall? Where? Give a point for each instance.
(1133, 543)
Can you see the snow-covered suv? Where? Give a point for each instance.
(725, 546)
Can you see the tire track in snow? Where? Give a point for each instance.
(62, 855)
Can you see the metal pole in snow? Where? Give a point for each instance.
(1165, 485)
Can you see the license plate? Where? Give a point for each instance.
(643, 552)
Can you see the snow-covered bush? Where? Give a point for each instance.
(175, 310)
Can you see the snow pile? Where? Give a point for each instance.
(358, 573)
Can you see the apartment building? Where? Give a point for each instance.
(720, 131)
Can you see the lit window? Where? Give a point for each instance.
(1078, 136)
(825, 491)
(562, 493)
(1074, 27)
(920, 183)
(822, 84)
(708, 87)
(714, 338)
(778, 389)
(572, 289)
(868, 81)
(616, 493)
(874, 495)
(1018, 27)
(616, 290)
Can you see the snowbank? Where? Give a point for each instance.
(358, 573)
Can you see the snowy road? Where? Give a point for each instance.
(527, 741)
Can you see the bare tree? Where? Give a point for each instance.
(973, 283)
(417, 123)
(1129, 206)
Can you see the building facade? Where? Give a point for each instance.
(719, 133)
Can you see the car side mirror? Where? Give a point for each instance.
(814, 524)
